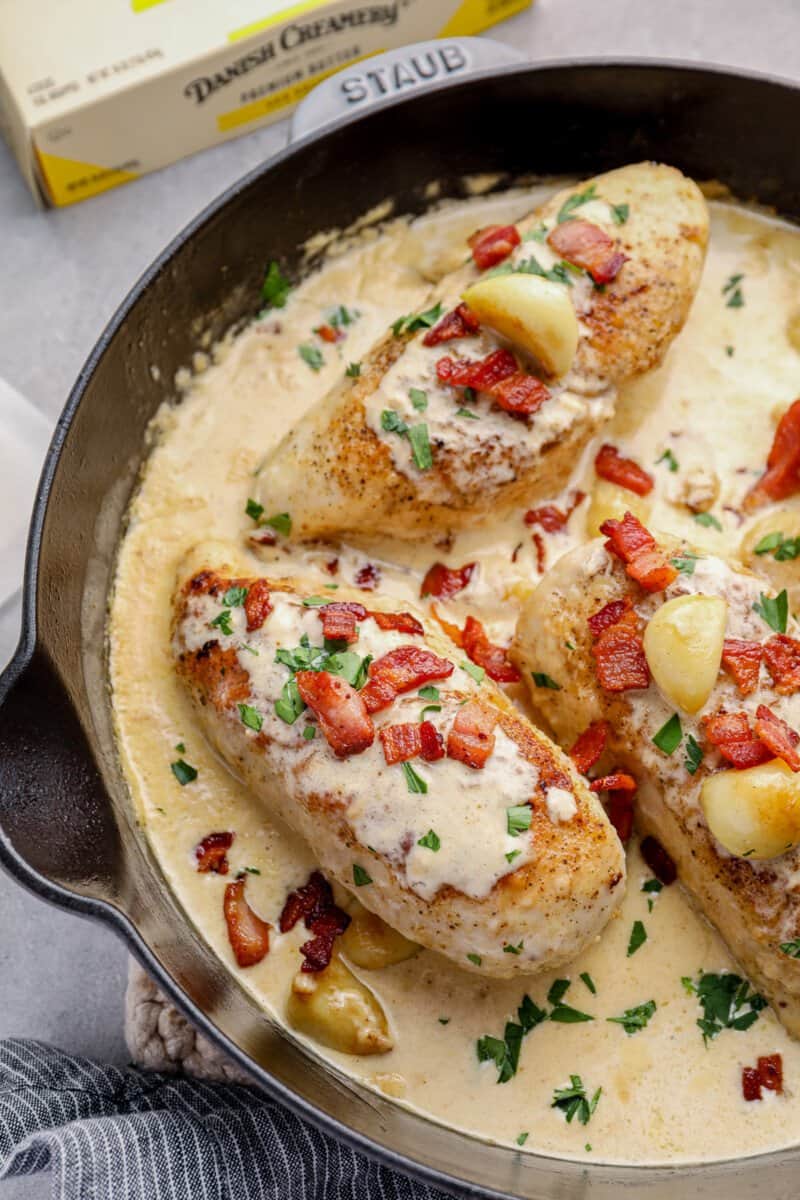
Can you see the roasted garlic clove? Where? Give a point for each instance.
(754, 813)
(337, 1010)
(370, 943)
(533, 313)
(683, 647)
(609, 501)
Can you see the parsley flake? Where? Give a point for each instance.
(509, 949)
(223, 622)
(280, 522)
(181, 748)
(518, 819)
(444, 1020)
(254, 510)
(431, 841)
(573, 1101)
(694, 754)
(465, 412)
(353, 370)
(536, 235)
(707, 520)
(250, 717)
(475, 959)
(411, 322)
(783, 549)
(311, 355)
(275, 288)
(235, 597)
(669, 736)
(360, 877)
(416, 784)
(420, 446)
(587, 979)
(310, 732)
(685, 563)
(477, 673)
(544, 681)
(512, 854)
(418, 398)
(565, 1014)
(575, 201)
(522, 1138)
(183, 772)
(637, 939)
(634, 1019)
(773, 610)
(620, 213)
(669, 458)
(791, 948)
(429, 692)
(735, 297)
(729, 351)
(727, 1003)
(558, 990)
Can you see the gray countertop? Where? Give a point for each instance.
(63, 273)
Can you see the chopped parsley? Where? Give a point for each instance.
(310, 732)
(353, 370)
(791, 948)
(504, 1052)
(669, 736)
(477, 673)
(727, 1003)
(475, 959)
(418, 398)
(465, 412)
(558, 273)
(342, 316)
(669, 458)
(732, 290)
(429, 692)
(252, 870)
(431, 841)
(254, 510)
(707, 520)
(575, 201)
(360, 876)
(275, 288)
(416, 784)
(729, 351)
(564, 1014)
(444, 1020)
(589, 982)
(694, 754)
(392, 422)
(512, 854)
(620, 213)
(305, 657)
(509, 949)
(773, 610)
(183, 772)
(558, 990)
(181, 748)
(637, 939)
(518, 819)
(223, 622)
(315, 601)
(420, 447)
(573, 1101)
(544, 681)
(280, 522)
(783, 549)
(536, 235)
(652, 885)
(685, 563)
(250, 717)
(634, 1019)
(522, 1138)
(311, 355)
(411, 322)
(235, 597)
(429, 708)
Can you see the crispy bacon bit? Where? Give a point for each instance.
(339, 620)
(751, 1083)
(743, 660)
(617, 781)
(471, 737)
(520, 395)
(247, 933)
(452, 631)
(459, 323)
(328, 333)
(541, 553)
(314, 903)
(624, 472)
(733, 737)
(332, 566)
(782, 656)
(658, 861)
(492, 244)
(403, 742)
(483, 374)
(619, 651)
(368, 577)
(589, 747)
(486, 654)
(403, 622)
(444, 582)
(779, 737)
(400, 671)
(766, 1075)
(340, 709)
(257, 604)
(589, 247)
(644, 560)
(610, 614)
(782, 476)
(550, 517)
(211, 853)
(619, 810)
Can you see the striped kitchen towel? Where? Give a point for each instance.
(107, 1133)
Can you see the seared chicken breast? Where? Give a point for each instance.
(410, 775)
(465, 409)
(698, 688)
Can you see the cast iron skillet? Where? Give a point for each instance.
(67, 829)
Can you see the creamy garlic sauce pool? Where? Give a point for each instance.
(665, 1096)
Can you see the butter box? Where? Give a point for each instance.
(94, 93)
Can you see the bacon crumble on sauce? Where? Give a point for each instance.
(247, 932)
(492, 244)
(314, 903)
(588, 749)
(445, 582)
(766, 1075)
(459, 323)
(782, 476)
(211, 853)
(624, 472)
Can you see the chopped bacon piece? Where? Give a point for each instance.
(733, 737)
(483, 374)
(400, 671)
(782, 476)
(314, 903)
(751, 1083)
(329, 333)
(770, 1070)
(340, 709)
(459, 323)
(644, 560)
(609, 464)
(403, 622)
(619, 810)
(339, 620)
(782, 656)
(492, 244)
(452, 631)
(658, 861)
(403, 742)
(618, 781)
(779, 737)
(743, 660)
(267, 537)
(520, 395)
(257, 604)
(211, 853)
(367, 577)
(486, 654)
(619, 654)
(590, 746)
(550, 517)
(610, 614)
(589, 247)
(471, 737)
(247, 933)
(541, 552)
(443, 582)
(332, 566)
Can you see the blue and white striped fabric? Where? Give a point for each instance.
(112, 1134)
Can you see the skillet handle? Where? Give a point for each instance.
(383, 78)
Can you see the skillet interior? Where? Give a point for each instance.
(68, 830)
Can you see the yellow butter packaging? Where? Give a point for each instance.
(94, 93)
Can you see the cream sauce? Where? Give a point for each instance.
(666, 1098)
